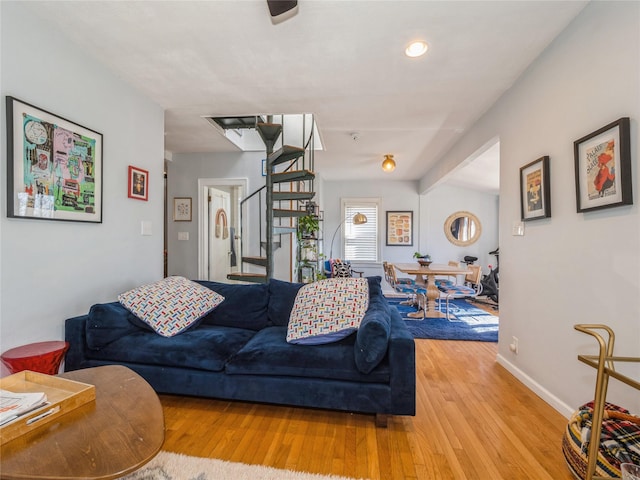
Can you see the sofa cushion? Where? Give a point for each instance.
(205, 347)
(373, 335)
(268, 353)
(340, 269)
(328, 310)
(282, 296)
(244, 306)
(108, 322)
(170, 305)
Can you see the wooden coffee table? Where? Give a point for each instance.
(106, 439)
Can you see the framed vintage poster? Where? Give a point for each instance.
(535, 193)
(138, 183)
(603, 167)
(182, 209)
(54, 166)
(400, 228)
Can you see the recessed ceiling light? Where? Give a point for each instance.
(416, 49)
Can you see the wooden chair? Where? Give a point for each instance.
(471, 288)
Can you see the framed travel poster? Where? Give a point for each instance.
(603, 167)
(54, 166)
(400, 228)
(535, 194)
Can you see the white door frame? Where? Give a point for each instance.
(203, 216)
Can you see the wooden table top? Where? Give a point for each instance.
(106, 439)
(433, 269)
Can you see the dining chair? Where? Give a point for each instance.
(416, 295)
(471, 288)
(449, 280)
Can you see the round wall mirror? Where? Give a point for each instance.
(462, 228)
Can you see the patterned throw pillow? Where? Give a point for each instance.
(171, 305)
(340, 269)
(328, 310)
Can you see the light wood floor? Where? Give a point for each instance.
(473, 421)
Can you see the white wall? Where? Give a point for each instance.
(571, 268)
(51, 271)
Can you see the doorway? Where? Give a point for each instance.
(219, 226)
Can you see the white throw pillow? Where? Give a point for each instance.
(171, 305)
(328, 310)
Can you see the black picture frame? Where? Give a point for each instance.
(399, 228)
(603, 167)
(54, 166)
(535, 191)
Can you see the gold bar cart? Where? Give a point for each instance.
(605, 364)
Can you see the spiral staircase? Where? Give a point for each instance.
(286, 196)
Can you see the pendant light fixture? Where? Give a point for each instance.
(388, 164)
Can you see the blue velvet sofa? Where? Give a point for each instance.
(239, 352)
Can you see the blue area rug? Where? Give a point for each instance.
(470, 322)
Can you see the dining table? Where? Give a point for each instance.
(425, 275)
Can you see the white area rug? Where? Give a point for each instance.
(174, 466)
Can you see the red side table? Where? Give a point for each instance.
(43, 357)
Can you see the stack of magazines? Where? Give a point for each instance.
(13, 405)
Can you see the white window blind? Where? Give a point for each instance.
(360, 242)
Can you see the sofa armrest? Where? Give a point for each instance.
(402, 365)
(75, 334)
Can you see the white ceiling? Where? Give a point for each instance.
(340, 60)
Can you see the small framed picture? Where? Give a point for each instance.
(182, 209)
(535, 193)
(138, 183)
(400, 228)
(603, 167)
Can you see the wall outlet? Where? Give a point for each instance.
(513, 346)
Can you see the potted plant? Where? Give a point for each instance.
(423, 259)
(308, 225)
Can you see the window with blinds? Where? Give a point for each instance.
(360, 242)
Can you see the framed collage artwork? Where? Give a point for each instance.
(54, 166)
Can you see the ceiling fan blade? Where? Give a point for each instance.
(278, 7)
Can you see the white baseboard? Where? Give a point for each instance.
(562, 408)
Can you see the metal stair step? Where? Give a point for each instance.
(248, 277)
(285, 154)
(276, 245)
(279, 212)
(278, 196)
(284, 230)
(262, 261)
(292, 176)
(269, 131)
